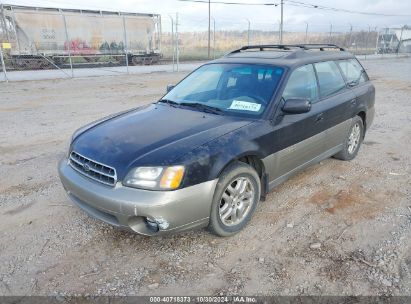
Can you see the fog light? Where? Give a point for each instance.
(152, 224)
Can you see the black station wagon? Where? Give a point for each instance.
(206, 153)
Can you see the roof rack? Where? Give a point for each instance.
(312, 46)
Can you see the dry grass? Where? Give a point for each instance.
(193, 45)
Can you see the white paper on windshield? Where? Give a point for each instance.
(245, 106)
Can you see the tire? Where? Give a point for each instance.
(348, 152)
(237, 177)
(136, 60)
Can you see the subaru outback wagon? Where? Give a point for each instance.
(209, 150)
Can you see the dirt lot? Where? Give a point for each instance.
(338, 228)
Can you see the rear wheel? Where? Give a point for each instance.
(136, 60)
(353, 141)
(235, 199)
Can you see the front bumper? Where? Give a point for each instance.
(130, 208)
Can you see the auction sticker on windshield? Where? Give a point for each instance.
(245, 106)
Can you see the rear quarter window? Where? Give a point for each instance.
(352, 71)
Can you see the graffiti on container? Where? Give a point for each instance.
(78, 46)
(81, 47)
(112, 48)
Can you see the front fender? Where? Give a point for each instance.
(208, 161)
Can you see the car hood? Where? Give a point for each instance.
(153, 135)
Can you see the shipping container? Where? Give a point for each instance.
(36, 36)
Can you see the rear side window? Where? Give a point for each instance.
(352, 71)
(329, 78)
(302, 84)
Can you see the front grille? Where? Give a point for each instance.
(92, 169)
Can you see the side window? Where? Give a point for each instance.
(352, 71)
(329, 78)
(302, 84)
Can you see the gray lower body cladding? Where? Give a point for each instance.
(138, 210)
(291, 160)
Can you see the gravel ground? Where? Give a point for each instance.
(337, 228)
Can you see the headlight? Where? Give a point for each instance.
(155, 178)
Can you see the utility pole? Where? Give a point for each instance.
(376, 44)
(209, 27)
(248, 31)
(177, 47)
(331, 31)
(281, 22)
(125, 42)
(172, 40)
(279, 31)
(3, 65)
(306, 32)
(68, 43)
(366, 41)
(213, 38)
(400, 41)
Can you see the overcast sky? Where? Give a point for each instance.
(193, 16)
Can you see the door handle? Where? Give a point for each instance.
(353, 101)
(319, 118)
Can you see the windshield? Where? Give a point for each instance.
(233, 89)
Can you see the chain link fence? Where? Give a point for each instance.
(55, 43)
(226, 36)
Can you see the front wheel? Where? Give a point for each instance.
(353, 141)
(235, 199)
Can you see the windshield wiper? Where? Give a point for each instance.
(169, 102)
(203, 107)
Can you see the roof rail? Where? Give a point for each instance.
(311, 46)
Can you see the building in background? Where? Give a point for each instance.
(394, 40)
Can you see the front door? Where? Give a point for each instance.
(298, 138)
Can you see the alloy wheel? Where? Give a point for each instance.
(236, 201)
(354, 138)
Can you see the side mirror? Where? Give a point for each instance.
(296, 106)
(170, 87)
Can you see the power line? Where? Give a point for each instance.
(209, 27)
(231, 3)
(302, 4)
(321, 7)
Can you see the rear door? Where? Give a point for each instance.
(357, 79)
(336, 103)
